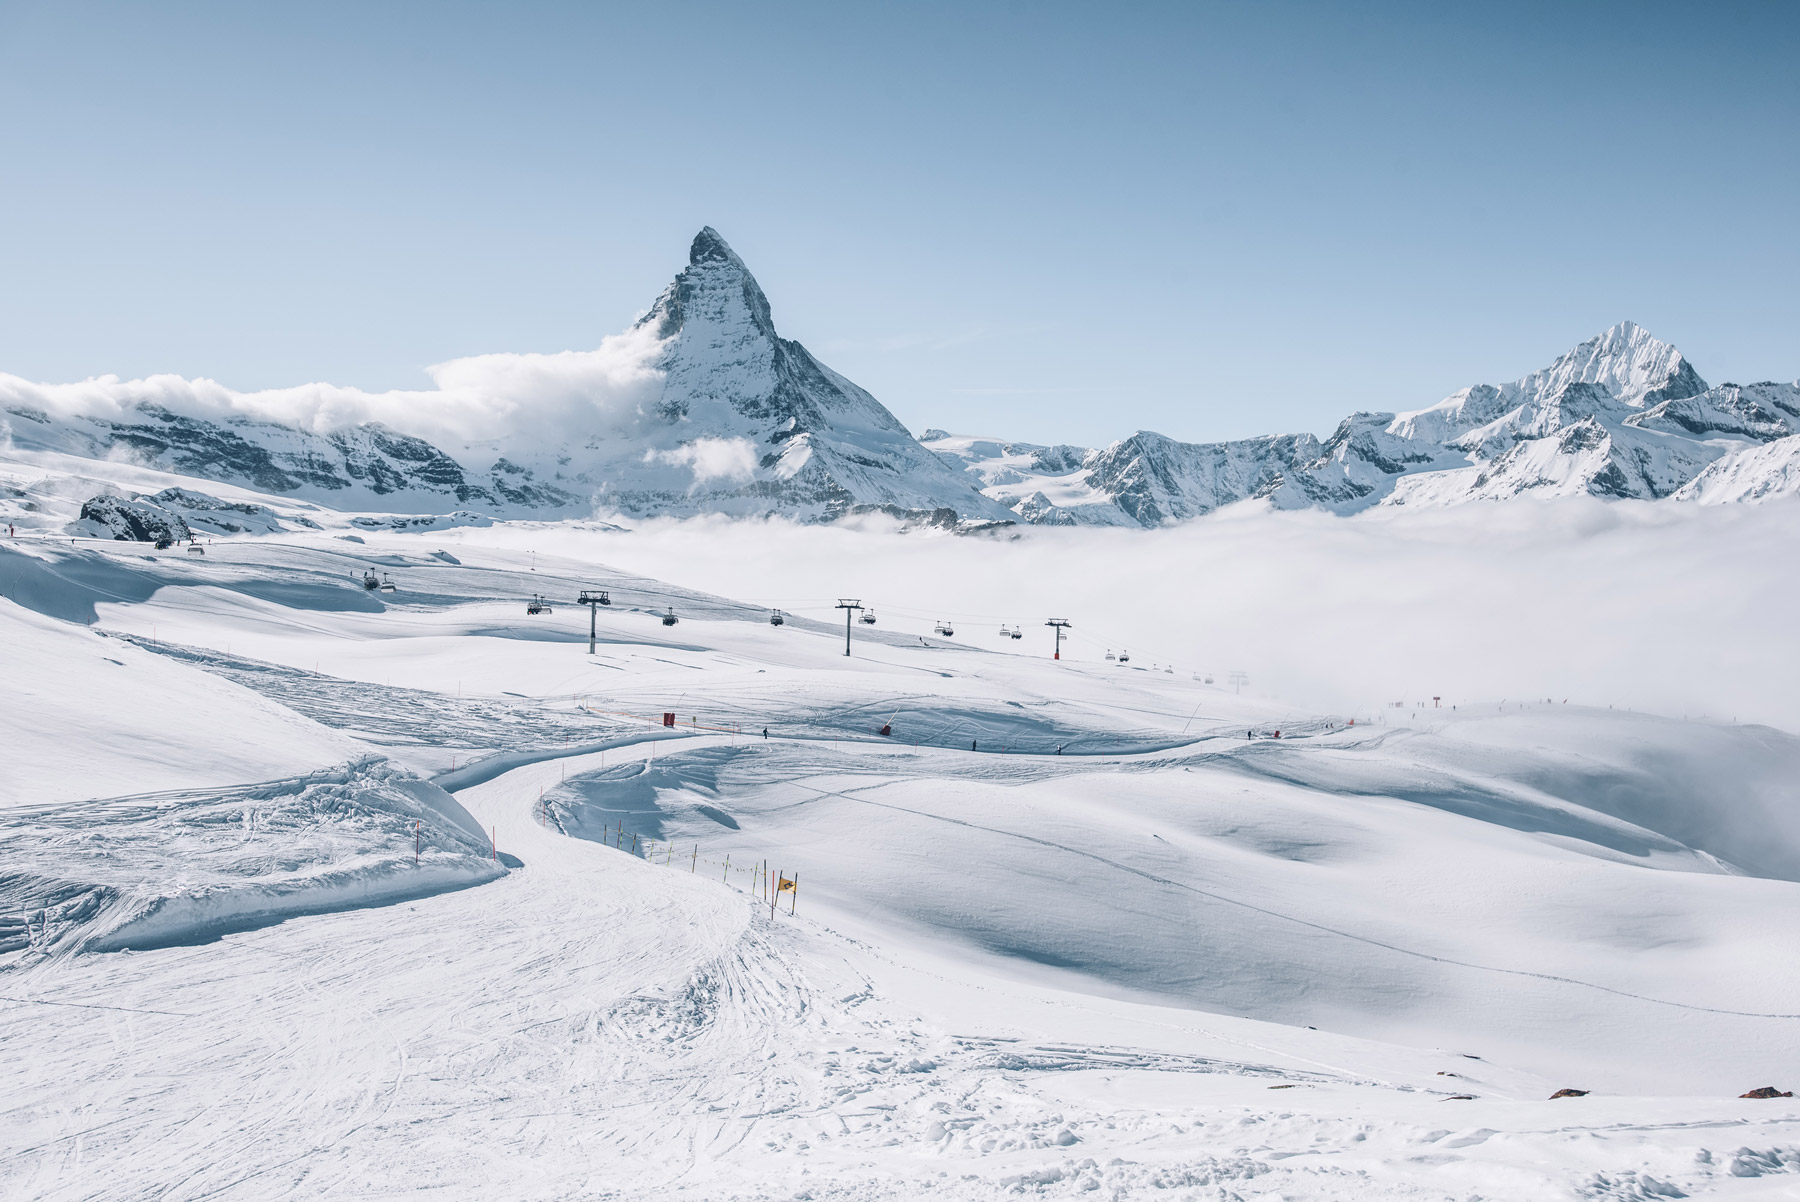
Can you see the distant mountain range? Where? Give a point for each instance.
(1621, 415)
(720, 414)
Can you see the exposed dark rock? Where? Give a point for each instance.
(139, 521)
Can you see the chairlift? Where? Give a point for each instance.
(387, 586)
(1169, 671)
(371, 581)
(537, 605)
(1017, 633)
(775, 618)
(1110, 655)
(196, 549)
(669, 619)
(164, 542)
(945, 629)
(1124, 657)
(1005, 631)
(868, 617)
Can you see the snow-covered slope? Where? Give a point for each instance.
(1623, 415)
(1758, 472)
(1062, 931)
(700, 408)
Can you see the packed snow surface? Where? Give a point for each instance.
(313, 889)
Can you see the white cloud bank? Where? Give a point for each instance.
(711, 458)
(1681, 609)
(529, 399)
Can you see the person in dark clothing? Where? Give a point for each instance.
(765, 732)
(971, 744)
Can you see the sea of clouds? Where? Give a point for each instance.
(1678, 608)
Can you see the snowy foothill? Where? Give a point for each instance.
(315, 887)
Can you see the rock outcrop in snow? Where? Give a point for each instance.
(136, 520)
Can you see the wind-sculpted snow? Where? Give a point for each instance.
(1152, 873)
(171, 868)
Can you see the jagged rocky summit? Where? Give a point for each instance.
(702, 407)
(1623, 415)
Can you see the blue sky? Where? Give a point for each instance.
(1048, 222)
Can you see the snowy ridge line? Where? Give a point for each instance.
(125, 803)
(492, 767)
(186, 866)
(1275, 914)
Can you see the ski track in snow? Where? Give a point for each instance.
(594, 1025)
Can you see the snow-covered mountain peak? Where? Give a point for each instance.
(1626, 362)
(715, 289)
(1629, 361)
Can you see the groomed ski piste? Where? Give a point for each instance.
(312, 891)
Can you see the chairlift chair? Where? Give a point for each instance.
(868, 617)
(537, 605)
(387, 586)
(945, 629)
(1124, 657)
(164, 542)
(196, 549)
(1110, 655)
(1017, 633)
(371, 581)
(669, 619)
(775, 618)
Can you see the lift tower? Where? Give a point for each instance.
(1061, 624)
(592, 600)
(849, 605)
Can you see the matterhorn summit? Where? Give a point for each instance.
(753, 422)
